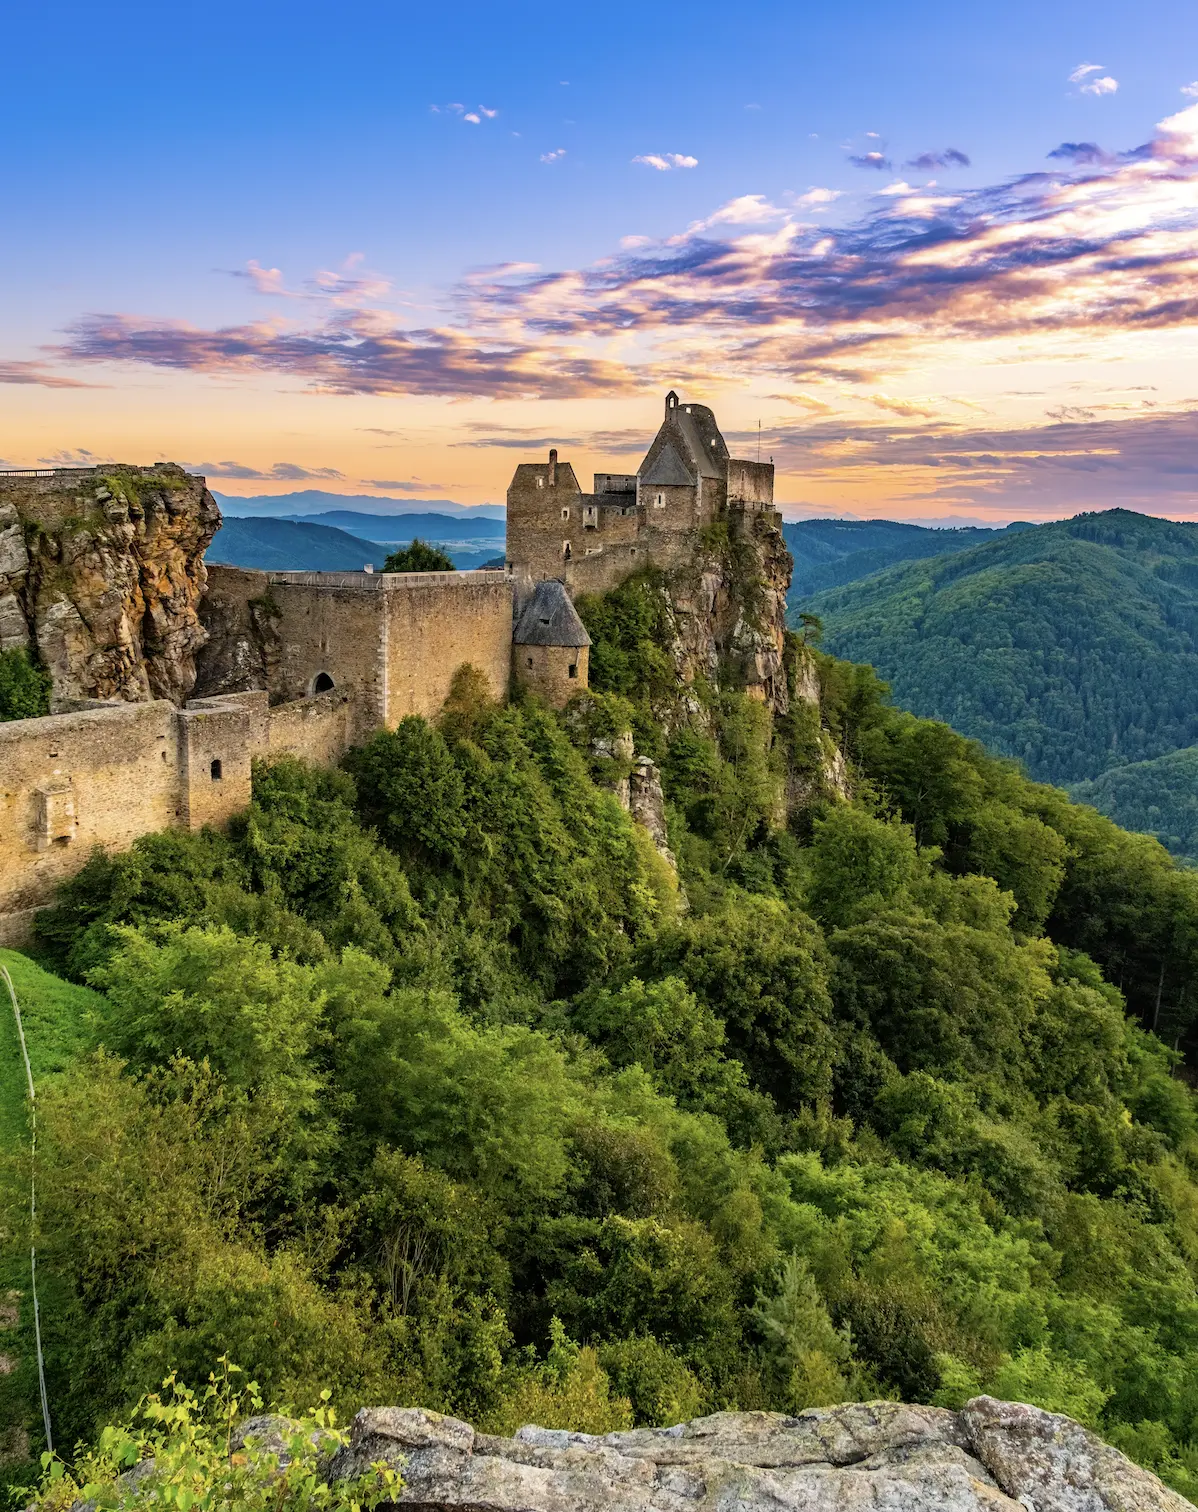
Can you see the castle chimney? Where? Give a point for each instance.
(553, 467)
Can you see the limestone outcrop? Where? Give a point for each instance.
(101, 576)
(729, 610)
(243, 648)
(873, 1457)
(647, 804)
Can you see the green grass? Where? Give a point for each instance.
(56, 1016)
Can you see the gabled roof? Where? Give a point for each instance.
(566, 479)
(687, 447)
(550, 619)
(668, 469)
(703, 439)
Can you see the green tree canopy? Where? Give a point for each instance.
(419, 556)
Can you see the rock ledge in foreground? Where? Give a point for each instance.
(875, 1456)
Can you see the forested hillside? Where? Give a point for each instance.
(306, 545)
(432, 1083)
(1158, 797)
(1073, 646)
(829, 553)
(288, 545)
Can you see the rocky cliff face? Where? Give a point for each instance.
(729, 610)
(242, 648)
(990, 1457)
(101, 575)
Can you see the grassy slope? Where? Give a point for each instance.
(1073, 647)
(54, 1013)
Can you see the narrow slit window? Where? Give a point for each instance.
(216, 770)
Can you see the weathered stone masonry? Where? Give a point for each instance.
(102, 577)
(394, 639)
(592, 542)
(105, 773)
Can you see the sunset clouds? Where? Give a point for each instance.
(877, 345)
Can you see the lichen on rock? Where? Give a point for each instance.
(728, 607)
(991, 1457)
(101, 575)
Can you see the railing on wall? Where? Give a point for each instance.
(46, 472)
(388, 580)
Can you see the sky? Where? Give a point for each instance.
(937, 261)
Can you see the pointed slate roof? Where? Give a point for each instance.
(667, 469)
(550, 619)
(703, 439)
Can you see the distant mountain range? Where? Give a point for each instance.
(313, 546)
(830, 553)
(308, 501)
(402, 528)
(1072, 646)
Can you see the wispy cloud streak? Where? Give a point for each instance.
(1102, 244)
(1099, 244)
(361, 352)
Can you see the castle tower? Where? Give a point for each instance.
(550, 645)
(544, 522)
(592, 542)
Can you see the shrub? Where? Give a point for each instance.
(419, 557)
(184, 1452)
(24, 686)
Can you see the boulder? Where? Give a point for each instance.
(101, 576)
(864, 1457)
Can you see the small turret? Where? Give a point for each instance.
(550, 645)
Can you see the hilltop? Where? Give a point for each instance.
(321, 544)
(1158, 797)
(307, 501)
(1073, 647)
(713, 1037)
(281, 545)
(830, 553)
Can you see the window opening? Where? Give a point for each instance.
(216, 771)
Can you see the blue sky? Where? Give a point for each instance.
(224, 186)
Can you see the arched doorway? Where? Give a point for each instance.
(323, 683)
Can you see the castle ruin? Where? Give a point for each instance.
(170, 677)
(592, 541)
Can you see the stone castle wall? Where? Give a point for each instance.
(319, 729)
(544, 512)
(433, 628)
(546, 671)
(96, 776)
(396, 639)
(106, 772)
(103, 774)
